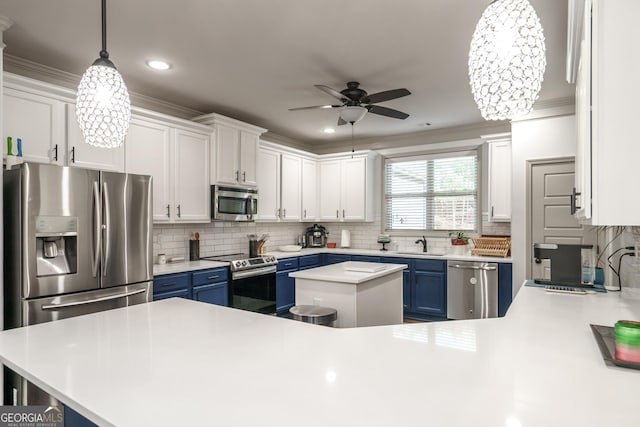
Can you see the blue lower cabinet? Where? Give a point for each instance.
(182, 293)
(430, 293)
(215, 293)
(335, 258)
(365, 258)
(172, 285)
(74, 419)
(505, 288)
(285, 291)
(309, 261)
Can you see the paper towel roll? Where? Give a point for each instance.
(345, 239)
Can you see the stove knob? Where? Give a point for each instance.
(237, 263)
(244, 263)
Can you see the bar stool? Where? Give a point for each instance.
(315, 314)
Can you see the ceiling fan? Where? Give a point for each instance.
(356, 102)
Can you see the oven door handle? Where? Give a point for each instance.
(253, 272)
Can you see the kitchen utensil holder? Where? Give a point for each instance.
(253, 248)
(194, 250)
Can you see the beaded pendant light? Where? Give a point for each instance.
(507, 60)
(103, 109)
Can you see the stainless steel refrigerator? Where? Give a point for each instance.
(76, 241)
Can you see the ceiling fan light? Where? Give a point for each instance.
(507, 60)
(352, 114)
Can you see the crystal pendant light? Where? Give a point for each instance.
(507, 60)
(103, 109)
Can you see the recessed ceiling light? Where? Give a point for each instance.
(328, 130)
(158, 65)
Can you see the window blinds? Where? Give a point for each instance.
(438, 192)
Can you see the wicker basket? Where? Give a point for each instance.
(492, 246)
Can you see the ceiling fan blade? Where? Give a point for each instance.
(389, 112)
(387, 95)
(332, 92)
(341, 121)
(315, 107)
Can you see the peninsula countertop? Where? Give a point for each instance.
(178, 362)
(341, 272)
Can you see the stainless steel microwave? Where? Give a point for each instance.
(230, 203)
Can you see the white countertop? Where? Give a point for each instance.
(340, 272)
(181, 267)
(179, 362)
(373, 252)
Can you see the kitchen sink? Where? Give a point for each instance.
(414, 253)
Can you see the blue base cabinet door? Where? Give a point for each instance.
(217, 293)
(172, 285)
(335, 258)
(430, 293)
(505, 287)
(285, 291)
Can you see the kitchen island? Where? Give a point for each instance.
(363, 293)
(179, 362)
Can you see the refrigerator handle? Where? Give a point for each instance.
(105, 228)
(91, 301)
(97, 229)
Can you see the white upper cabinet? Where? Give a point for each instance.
(81, 154)
(191, 176)
(309, 192)
(236, 150)
(177, 158)
(38, 120)
(602, 36)
(499, 166)
(349, 188)
(148, 152)
(44, 117)
(330, 190)
(291, 167)
(279, 184)
(268, 176)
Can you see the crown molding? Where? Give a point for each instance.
(26, 68)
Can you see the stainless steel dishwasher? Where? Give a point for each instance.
(472, 290)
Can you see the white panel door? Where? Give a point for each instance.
(309, 189)
(228, 155)
(291, 186)
(268, 175)
(81, 154)
(330, 190)
(353, 194)
(38, 121)
(248, 155)
(147, 148)
(500, 181)
(191, 177)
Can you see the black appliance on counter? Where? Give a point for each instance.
(253, 282)
(563, 264)
(316, 236)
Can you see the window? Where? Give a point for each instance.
(434, 192)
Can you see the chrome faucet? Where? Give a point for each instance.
(424, 243)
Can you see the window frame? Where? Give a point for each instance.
(430, 155)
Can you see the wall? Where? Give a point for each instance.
(534, 139)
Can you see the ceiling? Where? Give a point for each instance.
(255, 59)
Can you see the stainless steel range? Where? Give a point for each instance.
(253, 282)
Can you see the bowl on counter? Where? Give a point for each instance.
(290, 248)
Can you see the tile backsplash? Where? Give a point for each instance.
(231, 237)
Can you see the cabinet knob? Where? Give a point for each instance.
(178, 211)
(343, 215)
(244, 176)
(304, 213)
(237, 175)
(168, 211)
(284, 213)
(73, 154)
(574, 204)
(337, 213)
(55, 152)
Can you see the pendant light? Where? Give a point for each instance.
(507, 60)
(103, 109)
